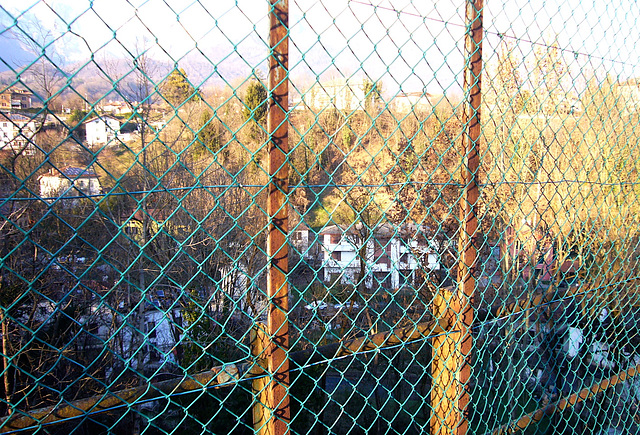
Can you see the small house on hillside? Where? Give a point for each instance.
(406, 102)
(102, 129)
(343, 94)
(391, 255)
(115, 107)
(17, 134)
(304, 241)
(69, 182)
(15, 99)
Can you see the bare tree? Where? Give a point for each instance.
(46, 72)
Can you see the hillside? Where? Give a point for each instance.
(107, 77)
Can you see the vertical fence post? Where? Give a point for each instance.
(451, 352)
(277, 249)
(445, 366)
(469, 218)
(261, 413)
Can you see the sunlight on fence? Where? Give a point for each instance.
(319, 217)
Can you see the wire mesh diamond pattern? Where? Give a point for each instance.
(272, 216)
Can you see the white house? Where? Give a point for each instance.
(161, 337)
(17, 134)
(69, 181)
(344, 94)
(111, 329)
(102, 130)
(406, 102)
(115, 107)
(303, 240)
(391, 255)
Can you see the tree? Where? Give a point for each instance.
(255, 108)
(45, 72)
(177, 89)
(372, 95)
(549, 75)
(140, 93)
(209, 134)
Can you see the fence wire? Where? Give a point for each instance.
(266, 216)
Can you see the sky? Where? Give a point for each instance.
(407, 45)
(600, 33)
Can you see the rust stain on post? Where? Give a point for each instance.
(277, 389)
(451, 368)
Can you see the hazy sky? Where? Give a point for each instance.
(408, 45)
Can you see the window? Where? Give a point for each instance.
(381, 253)
(132, 230)
(335, 239)
(150, 329)
(336, 255)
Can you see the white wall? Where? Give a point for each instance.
(349, 264)
(102, 130)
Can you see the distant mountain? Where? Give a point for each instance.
(12, 54)
(114, 78)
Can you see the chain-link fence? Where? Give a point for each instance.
(319, 216)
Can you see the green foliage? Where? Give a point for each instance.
(372, 94)
(177, 90)
(255, 106)
(347, 138)
(227, 412)
(209, 133)
(207, 343)
(200, 329)
(307, 401)
(75, 120)
(76, 116)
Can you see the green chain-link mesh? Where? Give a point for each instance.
(134, 216)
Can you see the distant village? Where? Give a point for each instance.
(392, 258)
(110, 125)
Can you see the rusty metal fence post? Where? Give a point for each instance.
(259, 341)
(277, 248)
(451, 352)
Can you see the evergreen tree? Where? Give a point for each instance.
(255, 107)
(177, 90)
(209, 133)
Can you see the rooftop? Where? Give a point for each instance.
(72, 172)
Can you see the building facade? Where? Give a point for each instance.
(69, 182)
(102, 130)
(15, 99)
(17, 134)
(391, 256)
(407, 102)
(343, 94)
